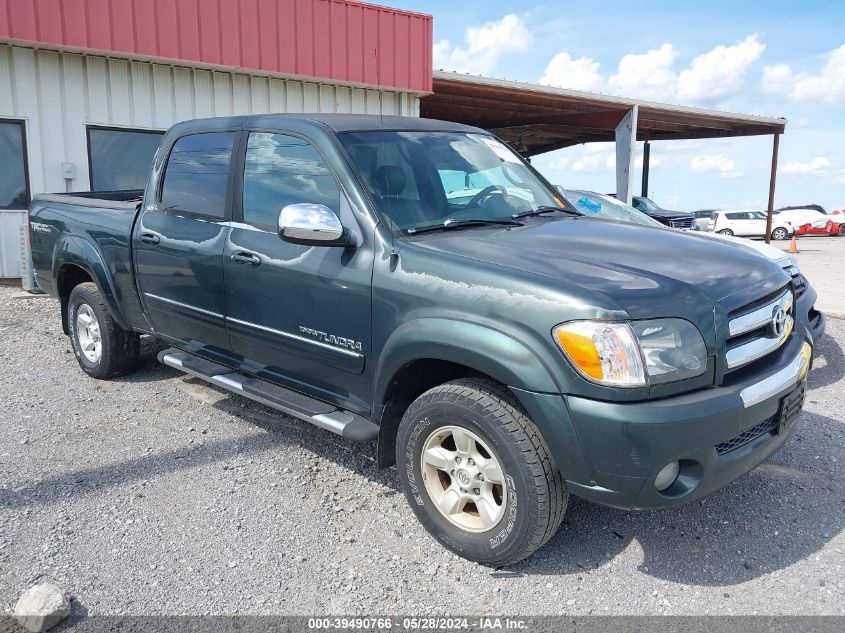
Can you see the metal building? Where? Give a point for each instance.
(88, 86)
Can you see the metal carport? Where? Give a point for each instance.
(535, 119)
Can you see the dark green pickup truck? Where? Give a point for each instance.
(417, 283)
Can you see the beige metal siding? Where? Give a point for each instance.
(59, 93)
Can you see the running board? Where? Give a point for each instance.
(346, 424)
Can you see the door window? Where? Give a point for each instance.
(197, 174)
(14, 181)
(280, 170)
(120, 158)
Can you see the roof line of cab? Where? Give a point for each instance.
(332, 122)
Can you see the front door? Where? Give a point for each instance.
(297, 315)
(179, 241)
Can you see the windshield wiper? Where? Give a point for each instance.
(456, 224)
(545, 209)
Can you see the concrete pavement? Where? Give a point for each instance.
(822, 261)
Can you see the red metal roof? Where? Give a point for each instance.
(338, 40)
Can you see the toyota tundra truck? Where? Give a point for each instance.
(418, 284)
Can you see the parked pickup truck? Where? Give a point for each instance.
(417, 283)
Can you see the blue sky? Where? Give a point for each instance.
(772, 58)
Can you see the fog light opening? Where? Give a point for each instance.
(667, 476)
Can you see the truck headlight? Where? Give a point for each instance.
(634, 354)
(672, 349)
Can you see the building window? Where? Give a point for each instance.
(197, 174)
(14, 177)
(119, 158)
(280, 170)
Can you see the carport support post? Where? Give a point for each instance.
(646, 161)
(626, 137)
(772, 179)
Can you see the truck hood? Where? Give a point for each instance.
(667, 214)
(646, 271)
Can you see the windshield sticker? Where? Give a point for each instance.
(501, 150)
(588, 206)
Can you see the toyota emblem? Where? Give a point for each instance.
(778, 322)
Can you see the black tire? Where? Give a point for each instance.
(536, 495)
(726, 232)
(780, 233)
(841, 230)
(119, 350)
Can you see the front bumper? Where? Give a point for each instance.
(716, 434)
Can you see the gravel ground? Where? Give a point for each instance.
(157, 494)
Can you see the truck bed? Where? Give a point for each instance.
(88, 230)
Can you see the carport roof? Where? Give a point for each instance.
(536, 119)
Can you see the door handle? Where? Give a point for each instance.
(150, 238)
(246, 258)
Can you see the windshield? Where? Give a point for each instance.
(598, 206)
(422, 178)
(644, 204)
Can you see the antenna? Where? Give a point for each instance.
(381, 120)
(394, 254)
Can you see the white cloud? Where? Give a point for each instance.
(484, 45)
(840, 179)
(719, 72)
(594, 161)
(826, 86)
(817, 166)
(711, 76)
(724, 166)
(648, 75)
(576, 74)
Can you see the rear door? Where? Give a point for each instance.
(179, 241)
(297, 315)
(737, 222)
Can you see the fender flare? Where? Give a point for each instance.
(497, 354)
(73, 251)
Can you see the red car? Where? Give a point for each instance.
(828, 228)
(812, 222)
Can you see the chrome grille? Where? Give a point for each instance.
(759, 329)
(682, 223)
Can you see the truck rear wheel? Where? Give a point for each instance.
(477, 472)
(103, 350)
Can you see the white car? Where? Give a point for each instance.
(749, 224)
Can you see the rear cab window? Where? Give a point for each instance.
(196, 177)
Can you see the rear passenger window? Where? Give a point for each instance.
(197, 174)
(280, 170)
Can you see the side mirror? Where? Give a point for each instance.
(311, 225)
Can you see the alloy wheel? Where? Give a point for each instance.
(88, 333)
(464, 479)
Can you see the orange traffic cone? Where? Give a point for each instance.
(793, 245)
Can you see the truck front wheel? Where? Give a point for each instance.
(102, 348)
(477, 472)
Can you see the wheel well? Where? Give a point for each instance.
(69, 277)
(407, 384)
